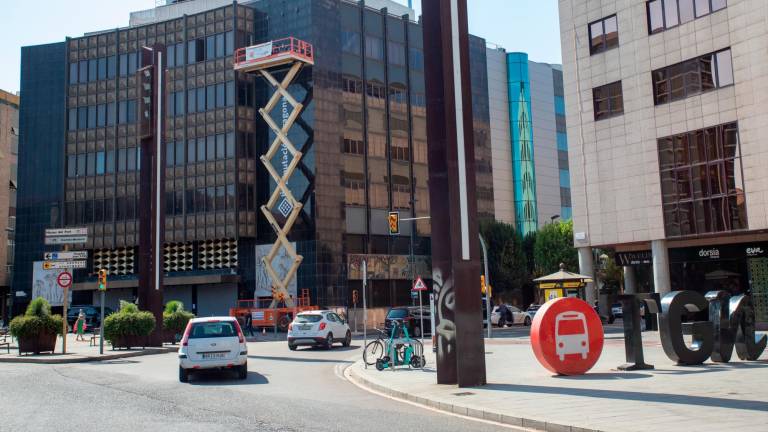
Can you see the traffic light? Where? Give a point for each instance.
(482, 284)
(354, 297)
(394, 223)
(102, 280)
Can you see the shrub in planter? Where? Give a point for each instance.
(175, 320)
(129, 327)
(37, 329)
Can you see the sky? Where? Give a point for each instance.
(518, 25)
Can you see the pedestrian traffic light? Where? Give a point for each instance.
(394, 223)
(354, 296)
(102, 280)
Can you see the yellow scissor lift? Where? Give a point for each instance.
(264, 59)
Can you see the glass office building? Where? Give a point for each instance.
(362, 134)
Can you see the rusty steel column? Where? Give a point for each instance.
(150, 118)
(452, 197)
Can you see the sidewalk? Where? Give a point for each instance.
(522, 393)
(78, 351)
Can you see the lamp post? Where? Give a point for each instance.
(553, 218)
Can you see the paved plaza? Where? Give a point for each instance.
(722, 397)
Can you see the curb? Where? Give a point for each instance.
(85, 359)
(479, 414)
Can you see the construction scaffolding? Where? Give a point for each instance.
(266, 59)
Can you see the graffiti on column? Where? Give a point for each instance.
(446, 302)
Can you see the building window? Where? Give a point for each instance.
(353, 146)
(608, 101)
(603, 35)
(701, 183)
(354, 187)
(665, 14)
(692, 77)
(374, 47)
(352, 85)
(350, 42)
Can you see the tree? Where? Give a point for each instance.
(554, 245)
(507, 264)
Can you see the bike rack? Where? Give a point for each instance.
(262, 58)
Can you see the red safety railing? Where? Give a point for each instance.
(280, 47)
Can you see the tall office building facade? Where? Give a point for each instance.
(528, 134)
(9, 149)
(362, 134)
(667, 114)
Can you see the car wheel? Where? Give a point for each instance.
(329, 341)
(527, 321)
(348, 339)
(292, 347)
(183, 375)
(242, 371)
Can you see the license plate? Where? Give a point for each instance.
(305, 327)
(213, 355)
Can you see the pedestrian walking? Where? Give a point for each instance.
(249, 324)
(80, 326)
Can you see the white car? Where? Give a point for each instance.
(513, 315)
(318, 328)
(213, 343)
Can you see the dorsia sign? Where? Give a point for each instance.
(567, 336)
(731, 324)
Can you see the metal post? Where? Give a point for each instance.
(421, 320)
(64, 304)
(365, 309)
(487, 284)
(432, 321)
(101, 326)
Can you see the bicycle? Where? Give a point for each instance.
(374, 349)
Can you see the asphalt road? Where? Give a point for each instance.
(285, 391)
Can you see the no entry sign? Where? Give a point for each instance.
(64, 279)
(567, 336)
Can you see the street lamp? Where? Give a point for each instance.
(553, 217)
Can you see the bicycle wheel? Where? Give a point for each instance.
(372, 352)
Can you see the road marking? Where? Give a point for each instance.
(347, 374)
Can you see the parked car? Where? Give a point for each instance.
(213, 343)
(532, 309)
(92, 314)
(411, 317)
(508, 314)
(318, 328)
(616, 310)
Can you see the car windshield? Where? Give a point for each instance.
(309, 318)
(533, 308)
(397, 314)
(213, 329)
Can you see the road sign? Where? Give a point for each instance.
(47, 265)
(60, 232)
(64, 279)
(77, 239)
(419, 285)
(567, 336)
(73, 255)
(57, 236)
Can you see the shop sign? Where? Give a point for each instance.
(706, 253)
(633, 258)
(731, 324)
(567, 336)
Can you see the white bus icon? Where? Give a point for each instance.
(571, 336)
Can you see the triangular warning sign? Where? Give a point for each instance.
(419, 285)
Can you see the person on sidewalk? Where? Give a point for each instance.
(80, 326)
(249, 324)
